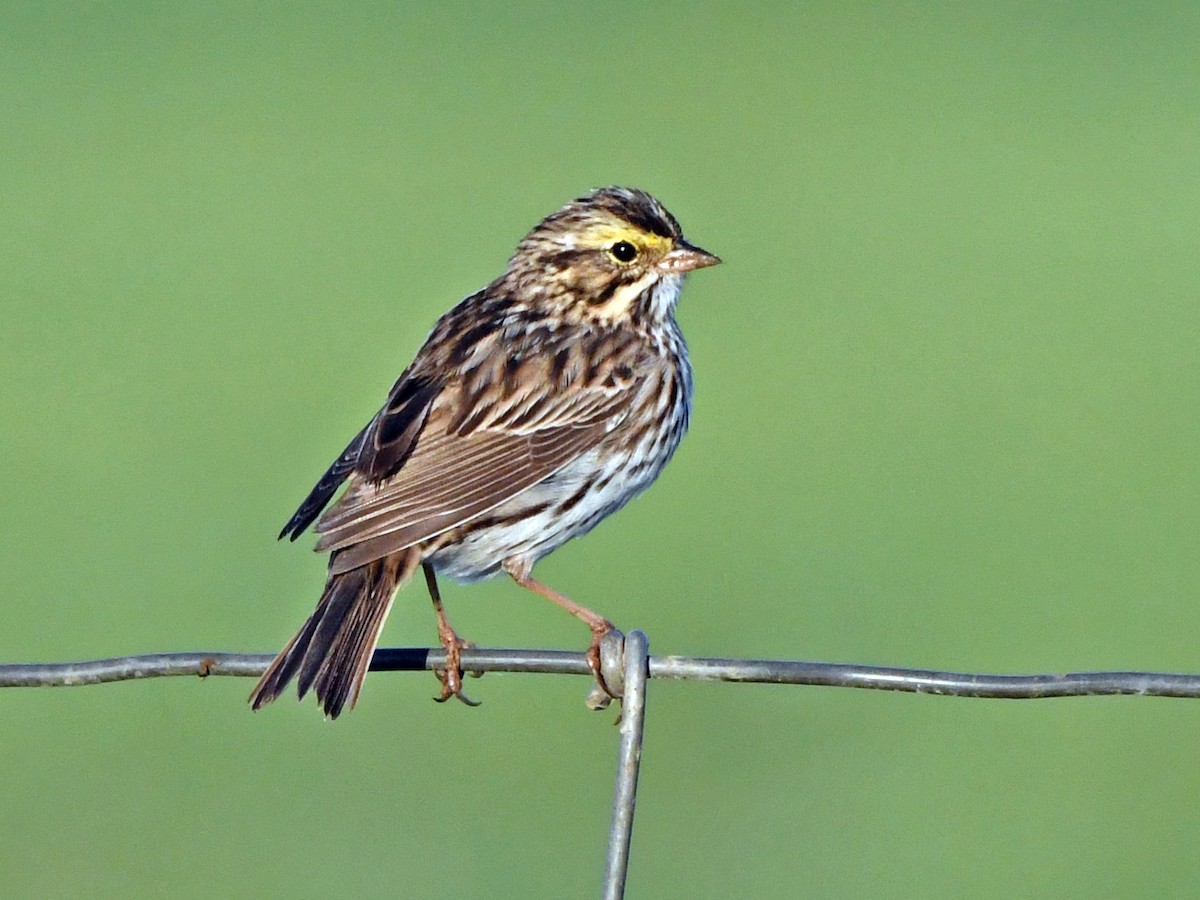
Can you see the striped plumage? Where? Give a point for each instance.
(535, 408)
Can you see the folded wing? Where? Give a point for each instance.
(463, 466)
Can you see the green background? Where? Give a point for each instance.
(946, 416)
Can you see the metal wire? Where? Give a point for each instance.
(629, 761)
(561, 662)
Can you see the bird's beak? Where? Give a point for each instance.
(685, 257)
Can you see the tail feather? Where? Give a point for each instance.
(333, 650)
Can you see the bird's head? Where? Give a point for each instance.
(612, 255)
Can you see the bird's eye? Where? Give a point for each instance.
(623, 251)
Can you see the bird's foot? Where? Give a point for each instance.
(604, 654)
(451, 676)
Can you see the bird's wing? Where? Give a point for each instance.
(384, 445)
(480, 443)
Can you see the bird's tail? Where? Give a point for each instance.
(332, 651)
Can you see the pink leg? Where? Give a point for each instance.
(451, 679)
(600, 626)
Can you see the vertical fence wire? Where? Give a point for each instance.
(629, 760)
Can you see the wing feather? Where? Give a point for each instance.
(389, 503)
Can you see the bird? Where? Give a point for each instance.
(536, 407)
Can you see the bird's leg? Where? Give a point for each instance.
(451, 678)
(600, 626)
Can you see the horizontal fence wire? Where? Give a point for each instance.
(626, 665)
(562, 662)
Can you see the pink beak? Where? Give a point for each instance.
(685, 257)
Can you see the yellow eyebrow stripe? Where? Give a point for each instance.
(605, 235)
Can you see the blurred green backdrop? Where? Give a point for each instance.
(946, 416)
